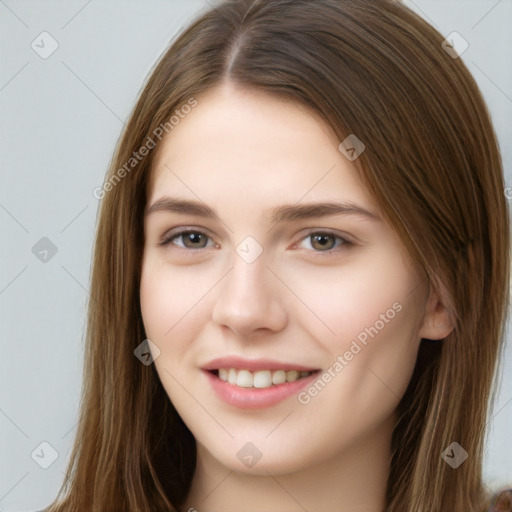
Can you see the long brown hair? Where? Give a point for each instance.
(373, 69)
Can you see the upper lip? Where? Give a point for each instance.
(253, 364)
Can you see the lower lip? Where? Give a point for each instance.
(256, 398)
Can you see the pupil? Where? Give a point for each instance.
(194, 238)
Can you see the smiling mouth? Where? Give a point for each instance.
(260, 379)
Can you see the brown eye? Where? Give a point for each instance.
(323, 241)
(194, 240)
(188, 240)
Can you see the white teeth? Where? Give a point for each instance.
(292, 376)
(278, 377)
(262, 379)
(232, 376)
(245, 379)
(259, 379)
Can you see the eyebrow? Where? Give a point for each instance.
(284, 213)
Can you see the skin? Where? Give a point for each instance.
(242, 153)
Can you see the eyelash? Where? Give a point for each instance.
(343, 245)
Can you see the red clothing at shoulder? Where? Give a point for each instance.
(501, 502)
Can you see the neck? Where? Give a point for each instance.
(353, 480)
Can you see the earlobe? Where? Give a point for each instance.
(438, 322)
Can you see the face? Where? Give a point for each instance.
(286, 313)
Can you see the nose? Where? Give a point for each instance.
(249, 300)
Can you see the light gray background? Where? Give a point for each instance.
(60, 119)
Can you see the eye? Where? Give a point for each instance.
(324, 241)
(190, 239)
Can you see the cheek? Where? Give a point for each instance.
(366, 318)
(156, 300)
(170, 305)
(366, 291)
(169, 296)
(171, 309)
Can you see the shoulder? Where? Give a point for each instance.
(501, 501)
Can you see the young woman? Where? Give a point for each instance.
(300, 273)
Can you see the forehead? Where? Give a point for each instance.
(253, 146)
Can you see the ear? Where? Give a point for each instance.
(438, 321)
